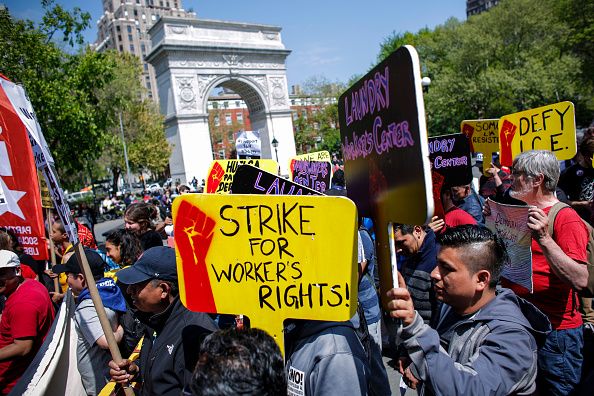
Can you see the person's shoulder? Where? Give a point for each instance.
(567, 215)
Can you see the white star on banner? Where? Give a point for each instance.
(11, 199)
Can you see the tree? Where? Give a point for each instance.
(318, 128)
(62, 88)
(147, 147)
(514, 57)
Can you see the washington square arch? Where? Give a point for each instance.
(192, 57)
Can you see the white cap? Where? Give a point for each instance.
(9, 259)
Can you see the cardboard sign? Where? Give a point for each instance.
(483, 136)
(267, 257)
(549, 127)
(220, 174)
(248, 144)
(315, 156)
(312, 174)
(384, 145)
(510, 222)
(251, 180)
(450, 157)
(384, 141)
(46, 198)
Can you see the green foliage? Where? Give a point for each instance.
(519, 55)
(319, 129)
(78, 97)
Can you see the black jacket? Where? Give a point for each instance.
(170, 350)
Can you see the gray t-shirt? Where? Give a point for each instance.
(92, 359)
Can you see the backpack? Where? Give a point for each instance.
(585, 296)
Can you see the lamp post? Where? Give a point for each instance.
(425, 82)
(275, 145)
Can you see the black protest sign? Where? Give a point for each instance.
(384, 145)
(384, 141)
(450, 157)
(251, 180)
(312, 174)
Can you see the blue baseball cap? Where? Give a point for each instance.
(155, 263)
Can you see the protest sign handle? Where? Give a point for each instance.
(105, 325)
(52, 248)
(393, 263)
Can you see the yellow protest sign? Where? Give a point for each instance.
(549, 127)
(483, 136)
(270, 257)
(221, 172)
(46, 199)
(315, 156)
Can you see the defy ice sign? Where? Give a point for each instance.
(549, 127)
(251, 180)
(384, 141)
(450, 157)
(267, 257)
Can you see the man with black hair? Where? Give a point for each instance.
(417, 250)
(485, 342)
(239, 362)
(92, 350)
(173, 335)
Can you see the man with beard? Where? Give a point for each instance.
(558, 269)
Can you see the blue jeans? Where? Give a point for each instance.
(560, 362)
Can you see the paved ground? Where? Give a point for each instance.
(106, 226)
(394, 378)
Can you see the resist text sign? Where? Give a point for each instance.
(483, 136)
(267, 257)
(549, 127)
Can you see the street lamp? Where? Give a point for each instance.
(425, 82)
(275, 145)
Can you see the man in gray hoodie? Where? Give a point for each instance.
(485, 341)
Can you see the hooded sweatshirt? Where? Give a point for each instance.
(492, 352)
(324, 358)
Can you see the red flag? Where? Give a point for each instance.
(20, 200)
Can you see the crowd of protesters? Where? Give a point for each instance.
(454, 326)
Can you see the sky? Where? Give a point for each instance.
(334, 39)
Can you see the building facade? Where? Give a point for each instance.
(124, 27)
(474, 7)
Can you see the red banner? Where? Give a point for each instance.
(20, 200)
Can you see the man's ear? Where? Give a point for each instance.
(538, 180)
(483, 277)
(166, 289)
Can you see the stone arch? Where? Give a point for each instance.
(191, 57)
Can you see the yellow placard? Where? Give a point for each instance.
(221, 172)
(483, 136)
(270, 257)
(315, 156)
(549, 127)
(46, 199)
